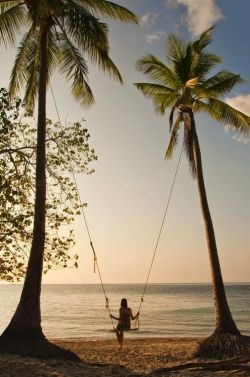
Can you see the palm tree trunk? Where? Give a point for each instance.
(224, 319)
(27, 318)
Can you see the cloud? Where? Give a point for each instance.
(148, 19)
(241, 139)
(150, 38)
(201, 14)
(241, 103)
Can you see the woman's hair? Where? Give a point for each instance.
(124, 303)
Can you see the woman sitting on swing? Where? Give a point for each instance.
(125, 314)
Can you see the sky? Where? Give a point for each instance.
(128, 192)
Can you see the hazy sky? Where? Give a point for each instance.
(127, 194)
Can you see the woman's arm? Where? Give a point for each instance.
(118, 319)
(112, 316)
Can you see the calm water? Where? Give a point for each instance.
(168, 309)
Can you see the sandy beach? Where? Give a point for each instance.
(139, 357)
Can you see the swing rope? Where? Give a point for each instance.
(96, 265)
(161, 229)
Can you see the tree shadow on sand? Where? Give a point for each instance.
(32, 367)
(28, 355)
(33, 345)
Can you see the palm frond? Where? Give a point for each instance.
(173, 138)
(32, 79)
(225, 114)
(161, 96)
(20, 70)
(203, 63)
(13, 16)
(74, 66)
(33, 69)
(220, 83)
(176, 48)
(158, 71)
(204, 40)
(108, 10)
(92, 38)
(179, 55)
(102, 58)
(184, 66)
(53, 49)
(84, 28)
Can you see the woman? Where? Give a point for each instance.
(125, 314)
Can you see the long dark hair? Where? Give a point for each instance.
(124, 303)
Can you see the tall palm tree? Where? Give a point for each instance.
(183, 85)
(62, 34)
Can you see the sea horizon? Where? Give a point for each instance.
(168, 309)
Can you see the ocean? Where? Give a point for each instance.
(168, 310)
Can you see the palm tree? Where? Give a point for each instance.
(60, 33)
(183, 85)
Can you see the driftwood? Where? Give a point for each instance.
(237, 363)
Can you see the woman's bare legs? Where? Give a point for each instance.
(121, 339)
(119, 335)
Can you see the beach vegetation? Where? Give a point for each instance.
(68, 152)
(63, 34)
(184, 86)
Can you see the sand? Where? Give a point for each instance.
(139, 357)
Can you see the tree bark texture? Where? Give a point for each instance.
(224, 319)
(27, 317)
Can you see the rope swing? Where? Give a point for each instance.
(161, 229)
(96, 265)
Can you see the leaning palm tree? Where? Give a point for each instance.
(62, 34)
(183, 86)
